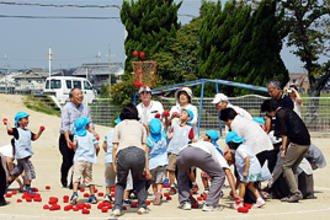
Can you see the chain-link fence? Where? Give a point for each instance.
(315, 111)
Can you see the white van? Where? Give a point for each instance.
(60, 87)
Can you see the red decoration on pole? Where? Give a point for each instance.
(135, 53)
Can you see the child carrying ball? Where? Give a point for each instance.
(247, 166)
(23, 149)
(86, 150)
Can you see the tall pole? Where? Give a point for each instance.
(6, 66)
(50, 59)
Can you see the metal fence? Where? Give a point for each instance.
(319, 122)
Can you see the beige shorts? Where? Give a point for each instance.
(85, 170)
(171, 162)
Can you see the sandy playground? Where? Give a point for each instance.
(47, 160)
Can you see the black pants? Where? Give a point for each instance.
(270, 156)
(67, 158)
(3, 181)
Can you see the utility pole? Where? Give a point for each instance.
(6, 66)
(99, 56)
(109, 61)
(50, 59)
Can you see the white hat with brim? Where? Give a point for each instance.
(184, 89)
(144, 89)
(220, 97)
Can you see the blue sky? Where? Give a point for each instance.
(25, 42)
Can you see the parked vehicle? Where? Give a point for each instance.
(60, 87)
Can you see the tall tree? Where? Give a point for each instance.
(241, 45)
(149, 25)
(308, 27)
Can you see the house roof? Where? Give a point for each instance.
(99, 69)
(298, 78)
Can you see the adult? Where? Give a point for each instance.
(221, 102)
(205, 156)
(148, 108)
(129, 154)
(256, 138)
(292, 92)
(71, 111)
(183, 99)
(275, 91)
(295, 143)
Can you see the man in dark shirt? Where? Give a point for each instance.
(295, 143)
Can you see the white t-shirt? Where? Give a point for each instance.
(176, 121)
(240, 111)
(7, 151)
(211, 149)
(256, 138)
(297, 107)
(149, 112)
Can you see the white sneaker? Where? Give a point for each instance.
(185, 206)
(236, 206)
(141, 211)
(210, 208)
(116, 212)
(260, 202)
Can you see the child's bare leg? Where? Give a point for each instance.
(205, 183)
(172, 177)
(159, 187)
(192, 176)
(126, 194)
(75, 187)
(154, 187)
(91, 189)
(242, 189)
(253, 190)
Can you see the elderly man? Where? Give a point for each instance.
(221, 102)
(275, 91)
(148, 109)
(71, 111)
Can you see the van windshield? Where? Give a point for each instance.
(47, 84)
(87, 86)
(55, 84)
(76, 84)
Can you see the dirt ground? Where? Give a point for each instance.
(47, 160)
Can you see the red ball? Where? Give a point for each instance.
(47, 187)
(124, 208)
(29, 199)
(105, 209)
(66, 197)
(8, 195)
(247, 205)
(42, 128)
(96, 190)
(85, 211)
(35, 189)
(243, 209)
(142, 54)
(14, 192)
(86, 194)
(166, 194)
(88, 206)
(199, 198)
(19, 200)
(37, 199)
(135, 53)
(100, 194)
(166, 114)
(45, 207)
(5, 120)
(157, 115)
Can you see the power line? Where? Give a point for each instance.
(57, 5)
(58, 17)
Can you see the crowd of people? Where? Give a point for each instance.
(150, 146)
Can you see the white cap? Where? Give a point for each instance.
(144, 89)
(184, 89)
(220, 97)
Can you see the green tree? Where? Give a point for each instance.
(149, 25)
(308, 32)
(238, 44)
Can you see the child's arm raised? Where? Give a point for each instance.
(8, 127)
(41, 129)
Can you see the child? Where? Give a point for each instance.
(86, 150)
(109, 174)
(180, 135)
(157, 147)
(247, 166)
(210, 136)
(23, 150)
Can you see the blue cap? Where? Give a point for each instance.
(20, 115)
(155, 129)
(80, 125)
(233, 137)
(214, 135)
(259, 120)
(118, 120)
(190, 113)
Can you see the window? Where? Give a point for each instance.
(47, 84)
(76, 84)
(87, 86)
(55, 84)
(68, 84)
